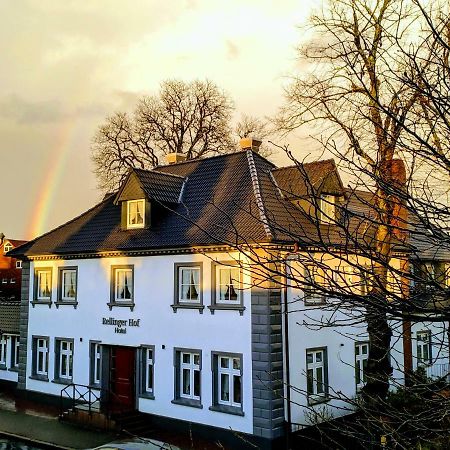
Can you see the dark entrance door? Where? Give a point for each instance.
(122, 368)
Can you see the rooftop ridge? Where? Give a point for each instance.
(294, 166)
(257, 193)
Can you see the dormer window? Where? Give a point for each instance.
(327, 206)
(135, 213)
(7, 248)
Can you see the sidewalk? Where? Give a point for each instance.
(44, 429)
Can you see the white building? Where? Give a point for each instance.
(159, 300)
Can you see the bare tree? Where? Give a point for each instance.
(192, 118)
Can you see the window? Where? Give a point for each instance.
(63, 359)
(314, 279)
(147, 374)
(43, 285)
(188, 286)
(135, 213)
(227, 287)
(187, 377)
(122, 286)
(8, 247)
(12, 280)
(3, 351)
(423, 348)
(15, 345)
(4, 280)
(316, 374)
(361, 358)
(327, 205)
(68, 281)
(18, 264)
(40, 358)
(95, 363)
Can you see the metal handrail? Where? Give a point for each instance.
(81, 394)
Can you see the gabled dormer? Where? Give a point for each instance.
(143, 193)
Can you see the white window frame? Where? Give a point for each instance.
(191, 367)
(7, 248)
(3, 350)
(12, 280)
(315, 366)
(149, 370)
(65, 360)
(4, 280)
(97, 369)
(197, 286)
(231, 372)
(62, 278)
(140, 202)
(219, 268)
(48, 273)
(327, 205)
(447, 275)
(361, 359)
(42, 348)
(421, 345)
(18, 264)
(117, 287)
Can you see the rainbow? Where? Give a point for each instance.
(56, 168)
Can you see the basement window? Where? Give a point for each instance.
(136, 213)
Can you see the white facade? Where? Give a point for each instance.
(156, 324)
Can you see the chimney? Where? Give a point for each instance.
(249, 143)
(173, 158)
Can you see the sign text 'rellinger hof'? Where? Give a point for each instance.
(120, 325)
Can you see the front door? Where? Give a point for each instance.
(122, 374)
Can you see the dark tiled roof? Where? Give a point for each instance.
(9, 317)
(160, 186)
(303, 180)
(16, 242)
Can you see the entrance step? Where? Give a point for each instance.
(134, 423)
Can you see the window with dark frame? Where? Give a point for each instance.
(15, 345)
(314, 278)
(316, 375)
(227, 383)
(68, 284)
(361, 360)
(423, 340)
(95, 363)
(64, 359)
(43, 285)
(187, 377)
(122, 286)
(227, 287)
(147, 371)
(188, 286)
(3, 351)
(40, 348)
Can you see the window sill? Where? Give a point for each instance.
(66, 303)
(41, 302)
(147, 395)
(112, 305)
(318, 399)
(39, 377)
(94, 386)
(219, 306)
(64, 381)
(228, 410)
(3, 367)
(187, 402)
(198, 306)
(13, 369)
(319, 301)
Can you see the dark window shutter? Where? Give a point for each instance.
(215, 369)
(57, 358)
(123, 216)
(148, 215)
(177, 374)
(325, 369)
(34, 356)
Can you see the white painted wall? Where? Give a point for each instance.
(225, 331)
(340, 343)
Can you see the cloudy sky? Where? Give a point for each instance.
(66, 65)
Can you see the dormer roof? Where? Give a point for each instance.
(151, 184)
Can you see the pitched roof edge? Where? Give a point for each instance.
(257, 192)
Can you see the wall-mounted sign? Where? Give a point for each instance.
(120, 325)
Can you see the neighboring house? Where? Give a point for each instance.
(160, 297)
(9, 341)
(10, 270)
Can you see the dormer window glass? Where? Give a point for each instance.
(135, 213)
(327, 206)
